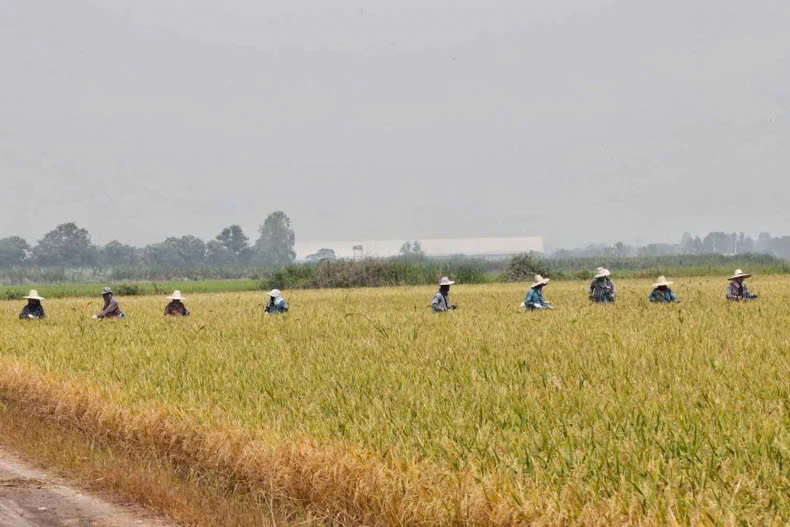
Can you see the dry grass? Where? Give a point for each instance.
(128, 475)
(362, 407)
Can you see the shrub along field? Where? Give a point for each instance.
(92, 289)
(363, 407)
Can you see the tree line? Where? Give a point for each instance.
(712, 243)
(69, 245)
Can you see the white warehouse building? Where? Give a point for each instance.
(433, 247)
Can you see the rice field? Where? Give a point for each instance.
(388, 414)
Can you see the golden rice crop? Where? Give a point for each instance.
(627, 413)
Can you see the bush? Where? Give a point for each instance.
(524, 267)
(11, 294)
(292, 276)
(129, 290)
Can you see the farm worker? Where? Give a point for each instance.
(111, 307)
(277, 303)
(176, 307)
(602, 290)
(534, 299)
(661, 293)
(441, 302)
(33, 310)
(737, 290)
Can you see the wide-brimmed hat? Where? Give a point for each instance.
(33, 295)
(601, 272)
(106, 291)
(539, 280)
(274, 293)
(176, 296)
(662, 280)
(445, 281)
(739, 274)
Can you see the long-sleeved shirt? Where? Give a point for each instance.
(111, 309)
(37, 311)
(602, 291)
(534, 299)
(738, 291)
(176, 308)
(278, 306)
(441, 303)
(663, 297)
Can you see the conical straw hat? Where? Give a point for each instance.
(33, 295)
(176, 296)
(601, 272)
(739, 274)
(539, 280)
(662, 280)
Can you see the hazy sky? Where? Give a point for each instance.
(582, 120)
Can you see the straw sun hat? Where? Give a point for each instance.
(739, 274)
(601, 272)
(445, 281)
(176, 296)
(539, 280)
(662, 280)
(274, 293)
(33, 295)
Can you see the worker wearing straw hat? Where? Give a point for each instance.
(737, 289)
(277, 303)
(602, 289)
(176, 307)
(534, 298)
(111, 308)
(441, 300)
(661, 293)
(33, 310)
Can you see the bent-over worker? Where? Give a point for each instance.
(602, 289)
(111, 307)
(534, 298)
(176, 307)
(737, 290)
(33, 310)
(277, 303)
(441, 300)
(661, 293)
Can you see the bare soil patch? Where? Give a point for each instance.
(31, 498)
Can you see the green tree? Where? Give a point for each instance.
(67, 245)
(13, 251)
(186, 250)
(218, 254)
(191, 249)
(321, 255)
(412, 249)
(275, 245)
(163, 254)
(235, 242)
(523, 267)
(117, 253)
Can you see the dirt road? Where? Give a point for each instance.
(30, 498)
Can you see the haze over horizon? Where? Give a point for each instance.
(590, 121)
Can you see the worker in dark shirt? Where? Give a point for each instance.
(111, 307)
(176, 307)
(737, 290)
(33, 310)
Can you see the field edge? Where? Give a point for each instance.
(192, 476)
